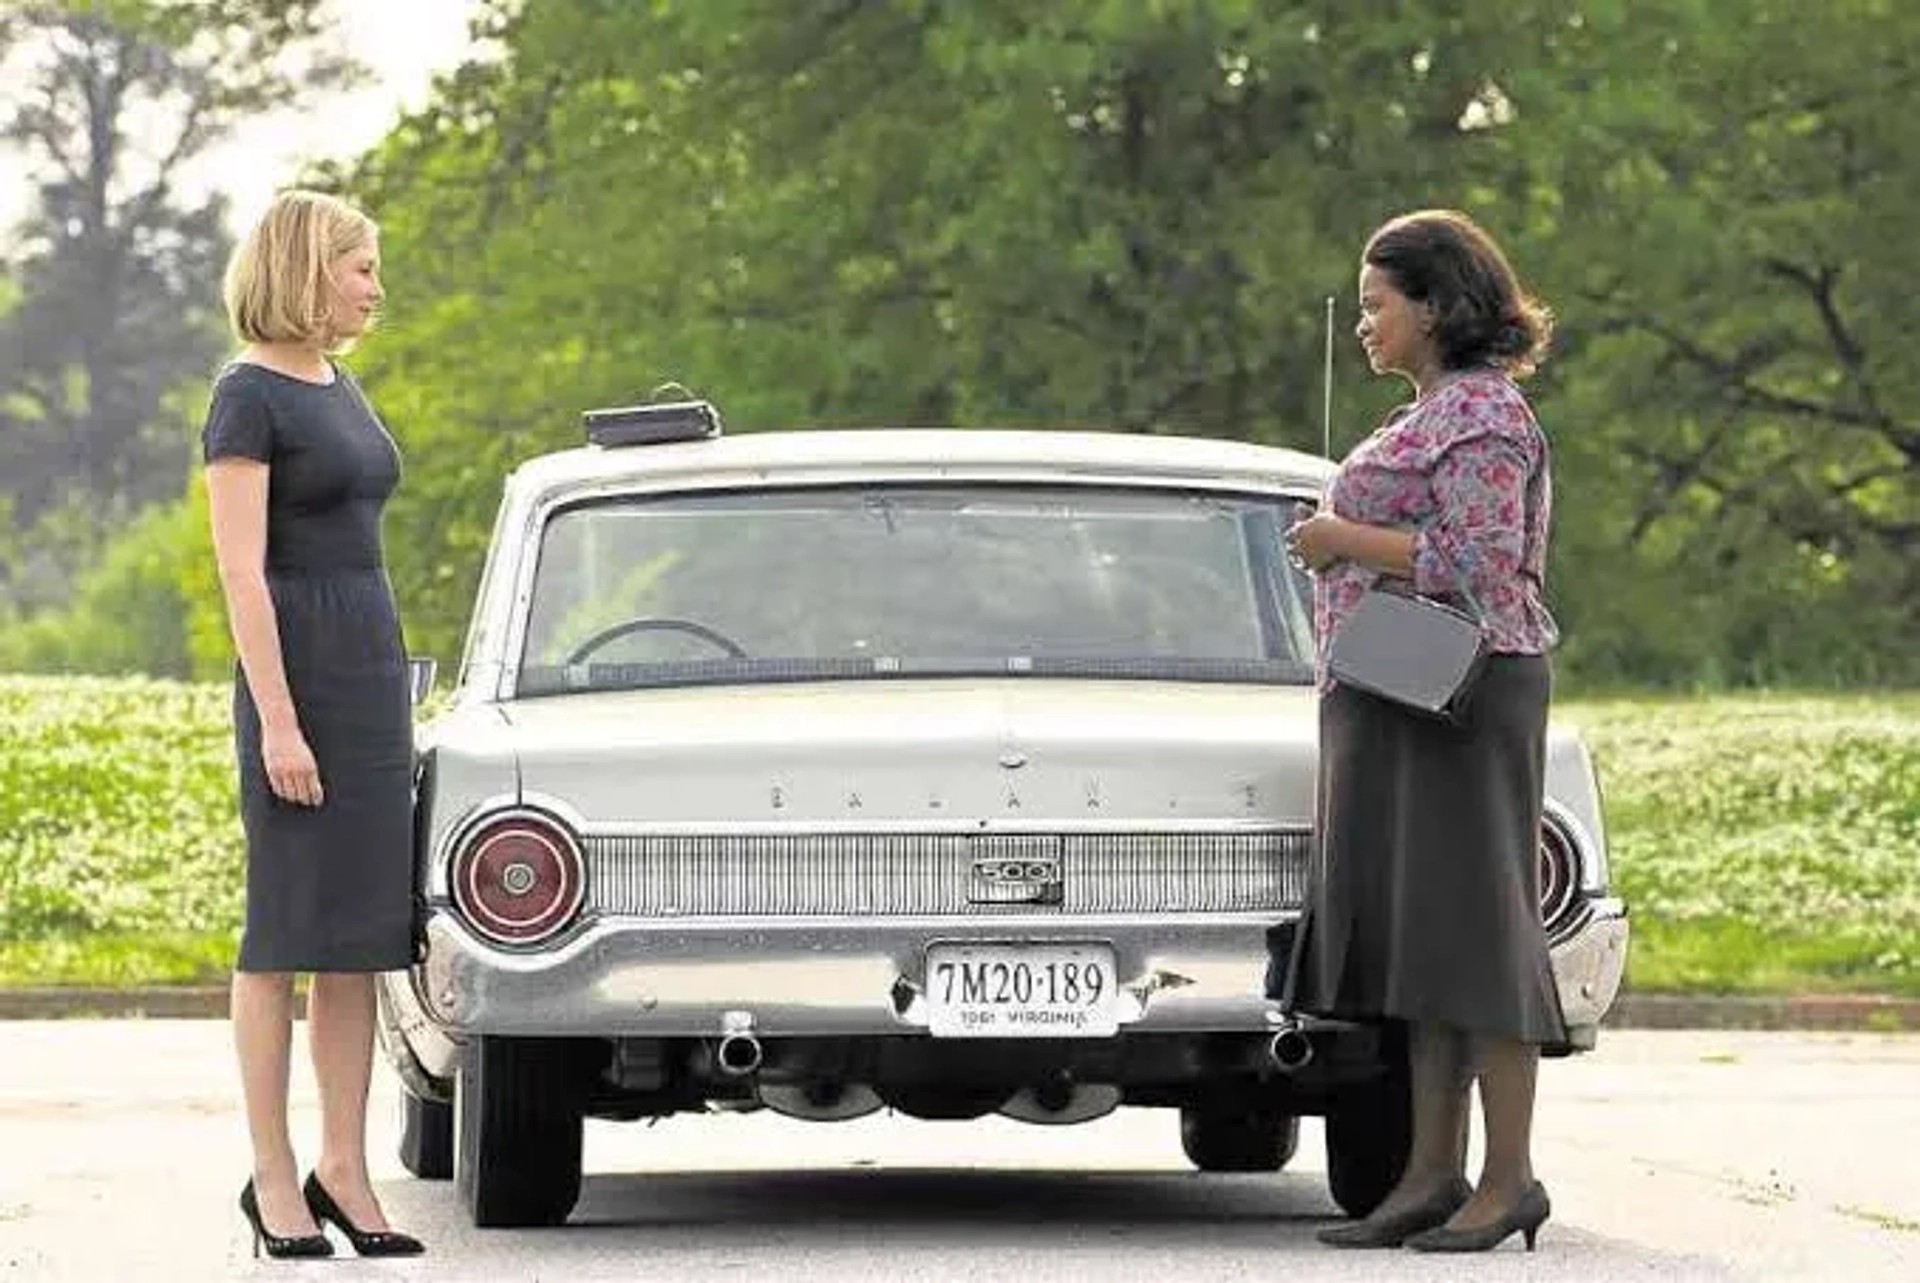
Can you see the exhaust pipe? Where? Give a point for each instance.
(1290, 1048)
(738, 1054)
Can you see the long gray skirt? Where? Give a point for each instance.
(1424, 904)
(330, 888)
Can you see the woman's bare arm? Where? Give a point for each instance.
(1323, 539)
(237, 498)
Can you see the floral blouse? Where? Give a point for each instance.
(1466, 470)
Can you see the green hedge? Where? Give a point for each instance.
(1764, 843)
(123, 839)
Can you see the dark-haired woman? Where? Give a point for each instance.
(1425, 899)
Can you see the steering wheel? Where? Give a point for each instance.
(661, 624)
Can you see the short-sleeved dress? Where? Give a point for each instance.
(328, 887)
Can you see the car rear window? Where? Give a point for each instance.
(915, 580)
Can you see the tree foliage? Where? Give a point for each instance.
(115, 271)
(1128, 215)
(1742, 394)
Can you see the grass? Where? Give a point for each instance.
(1766, 844)
(1719, 956)
(123, 859)
(119, 960)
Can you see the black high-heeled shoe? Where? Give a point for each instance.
(365, 1242)
(291, 1245)
(1392, 1231)
(1524, 1217)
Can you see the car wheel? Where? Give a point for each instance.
(426, 1137)
(520, 1110)
(1238, 1140)
(1369, 1131)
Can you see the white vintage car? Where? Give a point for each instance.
(952, 772)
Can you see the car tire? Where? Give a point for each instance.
(520, 1108)
(1369, 1133)
(1238, 1140)
(426, 1137)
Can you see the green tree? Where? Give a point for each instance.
(1735, 387)
(1126, 215)
(116, 274)
(1101, 214)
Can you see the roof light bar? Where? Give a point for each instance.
(652, 424)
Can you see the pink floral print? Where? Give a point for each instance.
(1466, 470)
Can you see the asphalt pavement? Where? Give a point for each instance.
(1705, 1156)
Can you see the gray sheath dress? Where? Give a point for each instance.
(329, 888)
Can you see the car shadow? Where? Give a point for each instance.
(928, 1198)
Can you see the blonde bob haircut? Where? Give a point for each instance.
(277, 280)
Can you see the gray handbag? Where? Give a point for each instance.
(1420, 653)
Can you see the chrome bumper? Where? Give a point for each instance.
(1588, 967)
(854, 977)
(843, 976)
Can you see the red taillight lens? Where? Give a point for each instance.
(1559, 874)
(518, 879)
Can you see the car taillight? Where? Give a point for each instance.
(1559, 874)
(518, 879)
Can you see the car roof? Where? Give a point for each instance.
(829, 454)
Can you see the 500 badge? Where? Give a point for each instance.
(1016, 879)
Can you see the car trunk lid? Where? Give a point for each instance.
(935, 754)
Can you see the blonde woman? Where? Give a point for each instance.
(298, 469)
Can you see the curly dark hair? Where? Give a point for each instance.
(1482, 314)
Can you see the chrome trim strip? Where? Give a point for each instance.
(994, 826)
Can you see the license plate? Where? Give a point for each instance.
(1021, 991)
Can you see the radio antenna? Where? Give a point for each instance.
(1326, 399)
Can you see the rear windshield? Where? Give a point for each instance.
(903, 581)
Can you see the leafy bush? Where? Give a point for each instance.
(129, 612)
(117, 798)
(1763, 837)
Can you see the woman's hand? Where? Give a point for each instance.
(292, 772)
(1317, 542)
